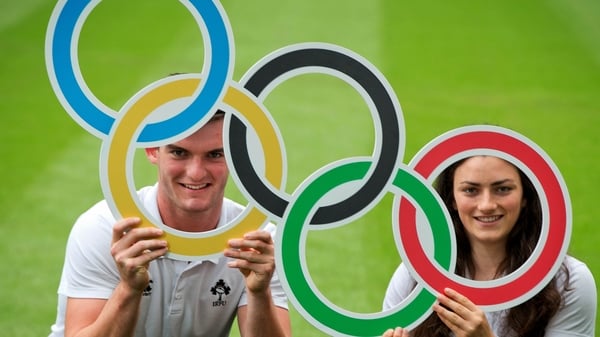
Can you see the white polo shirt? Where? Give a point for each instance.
(196, 298)
(576, 317)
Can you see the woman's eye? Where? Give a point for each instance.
(504, 189)
(469, 190)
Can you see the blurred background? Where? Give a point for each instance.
(532, 66)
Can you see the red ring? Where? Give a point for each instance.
(524, 286)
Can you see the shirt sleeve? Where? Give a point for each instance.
(577, 315)
(400, 286)
(89, 270)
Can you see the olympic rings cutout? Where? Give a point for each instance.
(199, 94)
(376, 91)
(69, 86)
(551, 249)
(117, 158)
(291, 235)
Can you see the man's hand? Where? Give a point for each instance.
(254, 256)
(133, 248)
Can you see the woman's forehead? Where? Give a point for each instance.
(486, 167)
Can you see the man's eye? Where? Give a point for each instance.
(178, 153)
(216, 154)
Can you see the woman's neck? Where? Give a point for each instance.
(486, 260)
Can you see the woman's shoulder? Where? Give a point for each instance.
(579, 273)
(578, 311)
(400, 286)
(576, 283)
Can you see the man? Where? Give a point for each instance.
(117, 282)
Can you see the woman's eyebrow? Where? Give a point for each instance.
(495, 183)
(501, 182)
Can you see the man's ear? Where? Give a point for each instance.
(152, 154)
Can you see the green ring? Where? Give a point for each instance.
(290, 237)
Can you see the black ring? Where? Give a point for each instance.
(389, 119)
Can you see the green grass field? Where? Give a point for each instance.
(532, 66)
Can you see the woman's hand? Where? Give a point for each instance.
(463, 317)
(398, 332)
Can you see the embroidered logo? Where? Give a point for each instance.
(220, 289)
(148, 290)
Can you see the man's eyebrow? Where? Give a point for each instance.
(173, 147)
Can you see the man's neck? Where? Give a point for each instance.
(191, 222)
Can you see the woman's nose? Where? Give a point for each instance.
(487, 202)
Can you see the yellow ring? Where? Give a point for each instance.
(124, 196)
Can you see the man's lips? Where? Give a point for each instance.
(194, 187)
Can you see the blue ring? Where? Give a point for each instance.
(214, 84)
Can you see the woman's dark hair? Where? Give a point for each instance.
(530, 318)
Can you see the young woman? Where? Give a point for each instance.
(497, 219)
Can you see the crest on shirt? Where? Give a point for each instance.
(148, 290)
(220, 289)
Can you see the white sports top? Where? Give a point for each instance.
(577, 316)
(196, 298)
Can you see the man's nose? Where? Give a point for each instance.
(196, 169)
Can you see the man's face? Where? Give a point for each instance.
(192, 174)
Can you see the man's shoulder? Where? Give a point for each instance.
(232, 209)
(101, 212)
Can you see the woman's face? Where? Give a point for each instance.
(488, 196)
